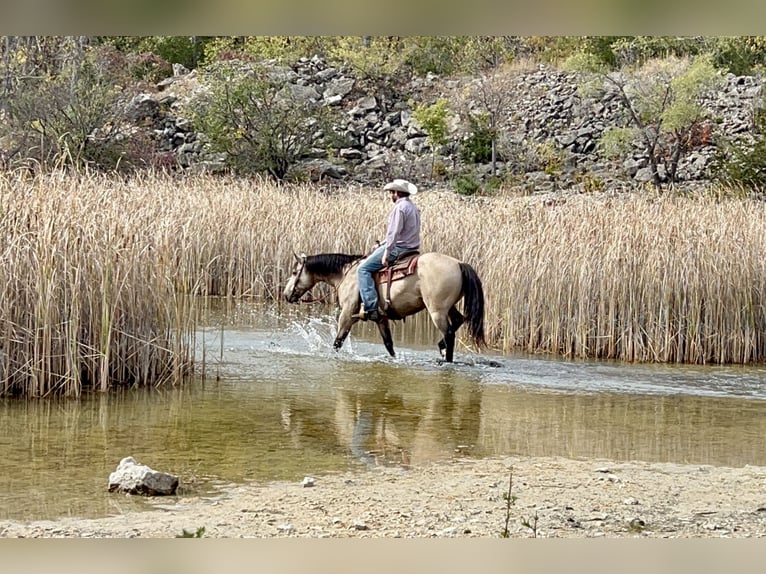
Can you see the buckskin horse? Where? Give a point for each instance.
(431, 281)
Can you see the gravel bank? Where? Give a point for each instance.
(552, 498)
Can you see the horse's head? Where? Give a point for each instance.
(300, 281)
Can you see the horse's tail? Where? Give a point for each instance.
(473, 303)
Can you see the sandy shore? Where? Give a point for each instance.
(551, 498)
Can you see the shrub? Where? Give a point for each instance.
(371, 57)
(477, 147)
(433, 120)
(743, 164)
(467, 184)
(661, 101)
(741, 55)
(185, 50)
(69, 118)
(260, 122)
(148, 66)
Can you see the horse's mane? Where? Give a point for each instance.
(329, 263)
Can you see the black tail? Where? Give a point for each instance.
(473, 303)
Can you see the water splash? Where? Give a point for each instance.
(318, 333)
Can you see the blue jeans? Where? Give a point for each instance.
(364, 273)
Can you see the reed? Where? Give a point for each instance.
(102, 277)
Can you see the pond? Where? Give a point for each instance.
(274, 401)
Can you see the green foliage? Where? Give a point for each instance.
(286, 50)
(684, 110)
(591, 183)
(477, 147)
(740, 164)
(466, 184)
(148, 66)
(584, 62)
(741, 55)
(558, 49)
(371, 57)
(70, 118)
(433, 120)
(446, 55)
(661, 102)
(549, 158)
(262, 123)
(433, 54)
(185, 50)
(637, 50)
(617, 142)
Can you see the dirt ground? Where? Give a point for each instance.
(550, 498)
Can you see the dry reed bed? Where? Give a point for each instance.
(633, 278)
(100, 274)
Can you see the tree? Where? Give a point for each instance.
(661, 99)
(63, 107)
(261, 122)
(492, 92)
(433, 120)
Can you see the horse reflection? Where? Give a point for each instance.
(381, 428)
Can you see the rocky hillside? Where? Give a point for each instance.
(545, 120)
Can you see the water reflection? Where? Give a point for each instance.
(286, 405)
(385, 421)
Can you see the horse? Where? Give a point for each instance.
(434, 282)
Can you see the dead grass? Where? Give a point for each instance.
(101, 276)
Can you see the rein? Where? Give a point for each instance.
(322, 299)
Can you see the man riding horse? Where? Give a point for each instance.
(402, 235)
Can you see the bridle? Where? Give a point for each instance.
(298, 273)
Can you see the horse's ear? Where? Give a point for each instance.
(296, 256)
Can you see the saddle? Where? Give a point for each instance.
(406, 264)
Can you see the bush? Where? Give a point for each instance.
(70, 118)
(148, 66)
(740, 55)
(259, 121)
(467, 184)
(741, 164)
(477, 148)
(185, 50)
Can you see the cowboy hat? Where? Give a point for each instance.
(401, 185)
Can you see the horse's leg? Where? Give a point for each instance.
(447, 344)
(385, 333)
(455, 320)
(345, 322)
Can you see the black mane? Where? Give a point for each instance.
(329, 263)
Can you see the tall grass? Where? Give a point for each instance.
(633, 278)
(101, 277)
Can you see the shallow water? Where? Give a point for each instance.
(277, 403)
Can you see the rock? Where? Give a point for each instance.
(546, 108)
(142, 107)
(134, 478)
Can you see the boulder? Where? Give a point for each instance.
(134, 478)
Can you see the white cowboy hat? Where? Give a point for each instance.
(401, 185)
